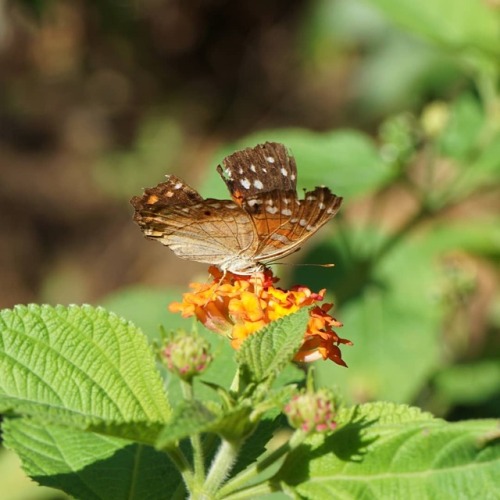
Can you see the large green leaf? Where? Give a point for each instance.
(384, 451)
(453, 384)
(457, 24)
(82, 366)
(90, 466)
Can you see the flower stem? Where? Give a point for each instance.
(221, 465)
(198, 456)
(182, 465)
(256, 468)
(255, 491)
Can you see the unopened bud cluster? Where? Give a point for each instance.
(311, 412)
(186, 355)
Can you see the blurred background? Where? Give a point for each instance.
(394, 105)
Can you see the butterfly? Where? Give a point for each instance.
(264, 220)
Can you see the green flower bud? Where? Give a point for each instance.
(311, 412)
(186, 355)
(435, 118)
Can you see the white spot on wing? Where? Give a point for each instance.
(254, 201)
(271, 210)
(245, 183)
(302, 222)
(281, 238)
(284, 173)
(252, 168)
(321, 206)
(178, 185)
(286, 211)
(270, 159)
(258, 184)
(293, 177)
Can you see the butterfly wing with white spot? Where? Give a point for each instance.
(262, 169)
(203, 230)
(283, 222)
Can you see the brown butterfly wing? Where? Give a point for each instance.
(283, 222)
(194, 228)
(253, 171)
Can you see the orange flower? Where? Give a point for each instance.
(238, 306)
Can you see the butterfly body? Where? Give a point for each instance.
(262, 222)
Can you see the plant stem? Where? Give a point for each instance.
(198, 455)
(256, 468)
(182, 465)
(253, 492)
(409, 225)
(221, 465)
(486, 82)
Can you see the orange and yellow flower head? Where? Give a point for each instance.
(237, 306)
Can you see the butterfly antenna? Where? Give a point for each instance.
(303, 264)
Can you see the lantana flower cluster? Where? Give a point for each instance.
(237, 306)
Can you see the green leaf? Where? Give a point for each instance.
(189, 418)
(194, 418)
(453, 384)
(87, 465)
(481, 172)
(265, 353)
(392, 308)
(480, 237)
(81, 366)
(148, 309)
(258, 442)
(385, 451)
(456, 24)
(346, 161)
(463, 129)
(390, 314)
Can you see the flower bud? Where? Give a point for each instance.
(186, 355)
(435, 118)
(311, 412)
